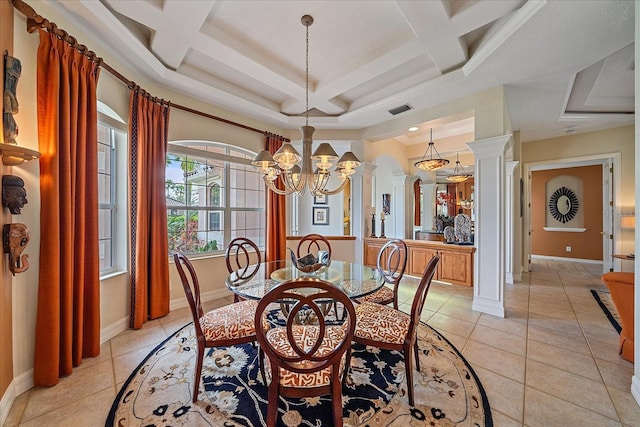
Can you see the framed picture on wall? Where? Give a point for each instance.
(320, 215)
(320, 199)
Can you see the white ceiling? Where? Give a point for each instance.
(565, 65)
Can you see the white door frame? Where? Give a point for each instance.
(597, 159)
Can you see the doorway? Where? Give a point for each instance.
(608, 234)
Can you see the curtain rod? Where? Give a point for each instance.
(36, 21)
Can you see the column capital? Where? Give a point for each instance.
(489, 147)
(511, 166)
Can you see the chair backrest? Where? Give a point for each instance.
(308, 299)
(237, 257)
(311, 244)
(392, 261)
(191, 289)
(421, 295)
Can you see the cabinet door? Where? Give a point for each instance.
(456, 267)
(371, 253)
(418, 260)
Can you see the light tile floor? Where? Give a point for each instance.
(553, 361)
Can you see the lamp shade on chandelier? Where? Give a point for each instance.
(431, 162)
(459, 174)
(296, 172)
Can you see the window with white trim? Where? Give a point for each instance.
(213, 196)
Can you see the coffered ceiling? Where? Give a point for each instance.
(566, 66)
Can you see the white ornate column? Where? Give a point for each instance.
(512, 213)
(490, 202)
(428, 205)
(361, 187)
(401, 216)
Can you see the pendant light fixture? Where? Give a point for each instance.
(459, 174)
(429, 162)
(284, 163)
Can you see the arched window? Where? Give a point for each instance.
(213, 196)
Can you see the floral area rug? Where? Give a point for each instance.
(158, 392)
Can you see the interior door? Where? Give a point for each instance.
(607, 216)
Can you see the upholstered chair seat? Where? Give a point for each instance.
(381, 323)
(305, 336)
(234, 321)
(382, 296)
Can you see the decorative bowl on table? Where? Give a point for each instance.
(309, 264)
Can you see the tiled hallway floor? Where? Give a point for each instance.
(553, 361)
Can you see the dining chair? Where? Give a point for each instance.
(221, 327)
(311, 244)
(392, 262)
(391, 329)
(238, 259)
(306, 357)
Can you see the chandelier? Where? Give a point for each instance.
(429, 162)
(284, 163)
(459, 174)
(466, 204)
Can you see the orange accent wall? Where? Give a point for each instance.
(585, 245)
(6, 326)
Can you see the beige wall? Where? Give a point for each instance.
(585, 245)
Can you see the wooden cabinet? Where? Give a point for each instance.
(419, 257)
(455, 266)
(371, 250)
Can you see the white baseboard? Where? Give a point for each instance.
(114, 329)
(635, 388)
(23, 382)
(557, 258)
(178, 303)
(19, 385)
(483, 305)
(6, 402)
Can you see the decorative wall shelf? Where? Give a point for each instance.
(565, 229)
(13, 155)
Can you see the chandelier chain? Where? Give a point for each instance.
(306, 122)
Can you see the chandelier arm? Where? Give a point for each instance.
(292, 187)
(337, 190)
(273, 188)
(319, 185)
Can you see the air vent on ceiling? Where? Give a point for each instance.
(400, 109)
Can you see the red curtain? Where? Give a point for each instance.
(276, 245)
(148, 126)
(416, 203)
(68, 314)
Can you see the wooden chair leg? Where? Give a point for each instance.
(261, 362)
(347, 365)
(273, 398)
(198, 372)
(409, 373)
(336, 400)
(416, 351)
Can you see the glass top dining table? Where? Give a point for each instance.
(253, 282)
